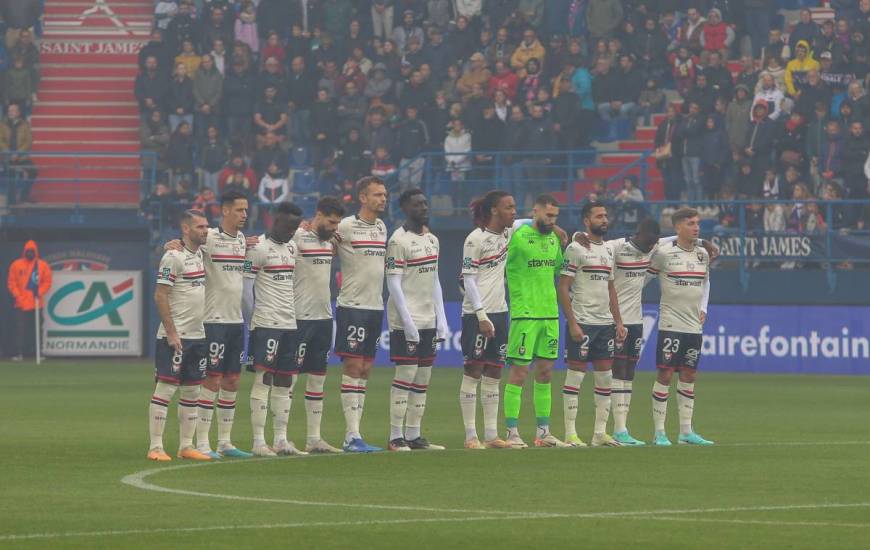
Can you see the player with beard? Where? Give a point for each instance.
(271, 314)
(534, 260)
(314, 252)
(594, 324)
(417, 321)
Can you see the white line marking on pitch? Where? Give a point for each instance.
(762, 522)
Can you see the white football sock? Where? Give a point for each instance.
(620, 400)
(203, 423)
(163, 393)
(571, 400)
(686, 402)
(489, 388)
(399, 390)
(660, 406)
(350, 390)
(314, 405)
(188, 413)
(603, 390)
(226, 413)
(259, 409)
(279, 403)
(417, 403)
(361, 400)
(468, 405)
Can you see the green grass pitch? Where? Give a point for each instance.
(790, 471)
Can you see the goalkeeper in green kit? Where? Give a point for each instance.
(534, 259)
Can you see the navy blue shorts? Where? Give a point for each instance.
(420, 353)
(597, 344)
(315, 340)
(186, 368)
(480, 350)
(225, 348)
(357, 332)
(274, 350)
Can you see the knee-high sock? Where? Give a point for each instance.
(279, 403)
(259, 408)
(660, 405)
(489, 402)
(351, 388)
(403, 382)
(361, 399)
(160, 399)
(686, 402)
(543, 400)
(226, 413)
(571, 400)
(417, 403)
(621, 404)
(468, 405)
(513, 400)
(603, 390)
(203, 423)
(188, 413)
(314, 405)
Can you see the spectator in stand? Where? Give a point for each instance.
(272, 75)
(770, 95)
(745, 183)
(457, 145)
(29, 52)
(181, 28)
(504, 79)
(179, 155)
(208, 86)
(760, 139)
(238, 176)
(567, 117)
(407, 30)
(827, 42)
(18, 86)
(159, 49)
(238, 101)
(702, 93)
(273, 48)
(246, 26)
(716, 35)
(737, 118)
(151, 88)
(857, 100)
(154, 138)
(350, 72)
(477, 73)
(382, 165)
(715, 153)
(212, 155)
(669, 148)
(217, 26)
(273, 190)
(416, 93)
(814, 91)
(500, 49)
(462, 39)
(179, 99)
(530, 48)
(718, 76)
(413, 139)
(207, 203)
(684, 71)
(628, 204)
(541, 137)
(269, 116)
(797, 215)
(219, 55)
(603, 17)
(20, 15)
(188, 57)
(527, 92)
(16, 140)
(691, 31)
(804, 30)
(533, 11)
(691, 131)
(277, 15)
(854, 156)
(351, 108)
(324, 122)
(271, 152)
(377, 132)
(29, 280)
(816, 133)
(791, 141)
(749, 73)
(842, 218)
(438, 12)
(797, 69)
(728, 211)
(650, 101)
(301, 91)
(651, 49)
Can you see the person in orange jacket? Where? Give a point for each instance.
(29, 277)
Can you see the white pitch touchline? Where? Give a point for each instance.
(762, 522)
(364, 523)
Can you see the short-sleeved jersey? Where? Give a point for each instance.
(224, 259)
(362, 247)
(271, 265)
(682, 274)
(631, 268)
(313, 273)
(534, 259)
(184, 272)
(484, 256)
(415, 258)
(592, 270)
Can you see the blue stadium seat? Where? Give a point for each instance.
(300, 157)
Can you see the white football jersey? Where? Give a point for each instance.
(362, 247)
(591, 270)
(271, 265)
(682, 275)
(224, 259)
(484, 255)
(313, 272)
(631, 270)
(415, 258)
(184, 272)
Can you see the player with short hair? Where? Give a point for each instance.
(415, 311)
(271, 314)
(534, 260)
(485, 314)
(314, 252)
(180, 353)
(362, 246)
(683, 271)
(224, 259)
(593, 322)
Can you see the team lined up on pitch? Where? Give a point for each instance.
(214, 282)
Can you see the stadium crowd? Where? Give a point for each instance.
(227, 89)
